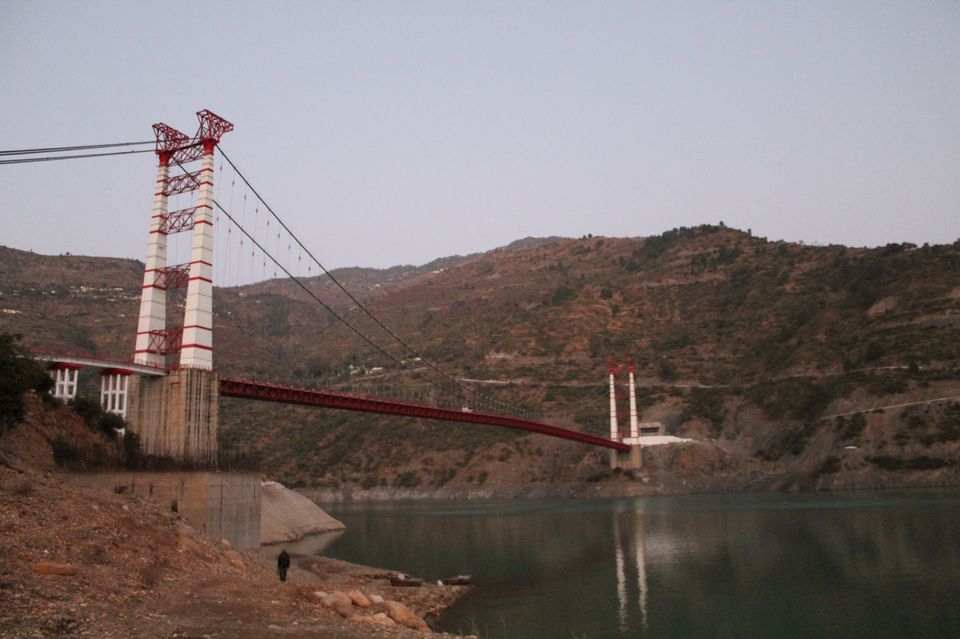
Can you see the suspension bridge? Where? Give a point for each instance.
(169, 390)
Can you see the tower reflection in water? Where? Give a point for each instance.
(621, 550)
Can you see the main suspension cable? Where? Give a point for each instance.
(360, 305)
(324, 304)
(66, 149)
(51, 158)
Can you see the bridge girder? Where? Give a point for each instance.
(248, 389)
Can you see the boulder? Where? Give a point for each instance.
(379, 619)
(338, 602)
(359, 599)
(403, 615)
(377, 599)
(55, 568)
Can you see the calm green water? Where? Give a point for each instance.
(854, 565)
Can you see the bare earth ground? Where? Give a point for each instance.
(75, 563)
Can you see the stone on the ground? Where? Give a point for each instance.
(234, 558)
(380, 619)
(338, 602)
(186, 544)
(359, 599)
(55, 568)
(404, 616)
(377, 599)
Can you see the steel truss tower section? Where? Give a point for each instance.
(153, 335)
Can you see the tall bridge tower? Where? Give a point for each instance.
(193, 339)
(176, 415)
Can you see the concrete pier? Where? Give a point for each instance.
(627, 460)
(176, 416)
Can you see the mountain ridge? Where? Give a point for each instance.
(734, 337)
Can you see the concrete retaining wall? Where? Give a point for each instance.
(220, 505)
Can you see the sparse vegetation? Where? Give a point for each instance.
(831, 465)
(18, 374)
(773, 325)
(888, 462)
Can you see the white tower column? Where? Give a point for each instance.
(634, 428)
(614, 428)
(197, 346)
(153, 300)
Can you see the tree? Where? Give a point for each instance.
(18, 374)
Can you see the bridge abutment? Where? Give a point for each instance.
(176, 415)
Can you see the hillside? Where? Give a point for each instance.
(741, 343)
(78, 561)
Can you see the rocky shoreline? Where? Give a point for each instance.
(90, 563)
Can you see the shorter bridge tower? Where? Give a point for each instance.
(176, 415)
(632, 458)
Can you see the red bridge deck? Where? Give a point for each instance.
(248, 389)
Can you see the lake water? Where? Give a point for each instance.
(821, 565)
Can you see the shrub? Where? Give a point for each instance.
(110, 423)
(18, 374)
(407, 479)
(795, 398)
(926, 463)
(63, 451)
(706, 403)
(887, 462)
(791, 441)
(668, 370)
(855, 426)
(563, 294)
(831, 465)
(88, 409)
(131, 449)
(874, 351)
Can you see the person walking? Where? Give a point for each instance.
(283, 563)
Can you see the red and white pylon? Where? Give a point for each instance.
(194, 338)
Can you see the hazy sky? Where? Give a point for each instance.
(397, 132)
